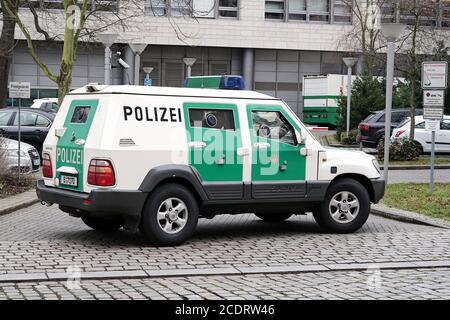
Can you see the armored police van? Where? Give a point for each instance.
(157, 159)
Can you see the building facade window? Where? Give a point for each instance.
(228, 8)
(431, 13)
(195, 8)
(320, 11)
(95, 5)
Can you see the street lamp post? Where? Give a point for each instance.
(391, 32)
(137, 50)
(349, 62)
(189, 62)
(107, 39)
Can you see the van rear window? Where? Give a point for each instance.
(80, 114)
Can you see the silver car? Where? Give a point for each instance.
(9, 156)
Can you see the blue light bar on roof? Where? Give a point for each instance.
(232, 83)
(225, 82)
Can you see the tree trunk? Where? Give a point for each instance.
(64, 81)
(413, 105)
(6, 50)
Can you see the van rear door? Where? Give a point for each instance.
(70, 146)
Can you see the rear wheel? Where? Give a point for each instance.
(170, 216)
(104, 224)
(273, 217)
(345, 209)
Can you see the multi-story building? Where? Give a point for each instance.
(272, 43)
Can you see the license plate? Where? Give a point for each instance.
(68, 181)
(36, 162)
(315, 116)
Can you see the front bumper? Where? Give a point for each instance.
(101, 202)
(379, 186)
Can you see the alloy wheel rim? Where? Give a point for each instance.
(172, 215)
(344, 207)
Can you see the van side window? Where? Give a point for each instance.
(212, 119)
(272, 125)
(80, 114)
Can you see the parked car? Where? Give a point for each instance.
(46, 104)
(423, 137)
(35, 124)
(371, 130)
(9, 156)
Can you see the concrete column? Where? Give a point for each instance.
(248, 65)
(128, 74)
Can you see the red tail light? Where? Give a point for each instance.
(325, 116)
(399, 133)
(101, 173)
(364, 127)
(47, 170)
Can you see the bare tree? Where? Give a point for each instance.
(364, 35)
(6, 49)
(76, 15)
(419, 41)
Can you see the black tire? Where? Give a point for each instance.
(419, 146)
(104, 224)
(380, 142)
(322, 214)
(273, 217)
(152, 228)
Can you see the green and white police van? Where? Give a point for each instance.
(157, 159)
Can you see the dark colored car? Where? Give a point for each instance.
(371, 130)
(34, 123)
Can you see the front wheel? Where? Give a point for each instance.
(170, 216)
(104, 224)
(345, 209)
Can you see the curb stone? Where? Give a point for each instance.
(383, 210)
(18, 201)
(231, 271)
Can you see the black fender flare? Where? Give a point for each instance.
(170, 172)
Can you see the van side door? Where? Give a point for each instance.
(214, 137)
(278, 168)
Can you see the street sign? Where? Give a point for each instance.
(19, 90)
(433, 113)
(434, 75)
(432, 125)
(433, 98)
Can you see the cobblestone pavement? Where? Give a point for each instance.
(40, 243)
(387, 284)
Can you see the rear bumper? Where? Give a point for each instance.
(96, 203)
(378, 186)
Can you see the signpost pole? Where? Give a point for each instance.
(19, 90)
(434, 82)
(433, 139)
(19, 138)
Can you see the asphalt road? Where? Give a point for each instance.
(418, 176)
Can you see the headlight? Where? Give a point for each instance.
(376, 165)
(15, 153)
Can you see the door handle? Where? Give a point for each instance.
(220, 161)
(261, 145)
(197, 144)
